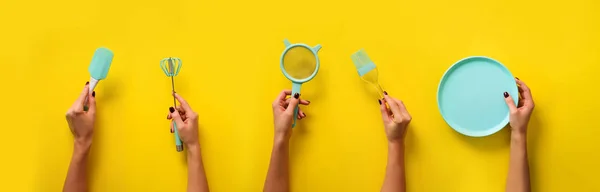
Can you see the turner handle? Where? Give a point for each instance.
(295, 89)
(178, 143)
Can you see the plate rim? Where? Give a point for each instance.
(462, 130)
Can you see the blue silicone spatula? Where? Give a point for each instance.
(99, 67)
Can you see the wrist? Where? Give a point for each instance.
(81, 149)
(281, 140)
(193, 146)
(83, 144)
(518, 137)
(396, 145)
(281, 137)
(518, 134)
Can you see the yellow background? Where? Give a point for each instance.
(230, 75)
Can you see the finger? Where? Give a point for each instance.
(92, 103)
(180, 109)
(182, 113)
(510, 102)
(282, 95)
(302, 102)
(293, 103)
(385, 114)
(184, 105)
(301, 113)
(176, 117)
(403, 109)
(84, 94)
(171, 129)
(393, 106)
(525, 92)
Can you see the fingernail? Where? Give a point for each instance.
(86, 83)
(505, 94)
(171, 130)
(379, 101)
(296, 95)
(308, 101)
(385, 92)
(171, 109)
(167, 116)
(517, 78)
(94, 94)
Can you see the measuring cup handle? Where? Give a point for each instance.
(286, 43)
(295, 89)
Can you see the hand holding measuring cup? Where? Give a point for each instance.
(300, 64)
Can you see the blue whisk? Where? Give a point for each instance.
(171, 67)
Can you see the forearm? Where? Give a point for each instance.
(196, 177)
(518, 168)
(278, 175)
(394, 174)
(76, 180)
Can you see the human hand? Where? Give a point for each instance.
(187, 122)
(395, 119)
(81, 122)
(282, 114)
(519, 115)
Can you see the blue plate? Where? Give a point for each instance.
(470, 96)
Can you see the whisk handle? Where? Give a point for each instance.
(178, 143)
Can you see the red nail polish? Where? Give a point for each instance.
(296, 95)
(171, 109)
(505, 94)
(87, 83)
(379, 101)
(385, 92)
(517, 78)
(94, 94)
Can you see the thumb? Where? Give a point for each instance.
(176, 117)
(293, 103)
(92, 102)
(510, 102)
(78, 105)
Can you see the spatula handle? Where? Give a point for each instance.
(93, 83)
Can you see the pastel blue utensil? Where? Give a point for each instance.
(470, 96)
(99, 67)
(171, 67)
(299, 63)
(367, 70)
